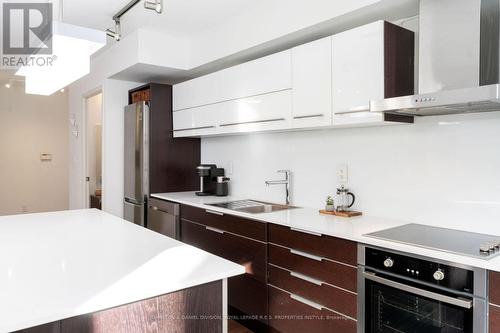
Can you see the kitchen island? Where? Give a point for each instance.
(86, 270)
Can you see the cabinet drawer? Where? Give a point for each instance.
(230, 223)
(290, 314)
(324, 246)
(334, 273)
(244, 251)
(494, 319)
(494, 278)
(333, 298)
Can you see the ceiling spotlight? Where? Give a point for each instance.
(8, 85)
(62, 90)
(156, 5)
(110, 33)
(116, 34)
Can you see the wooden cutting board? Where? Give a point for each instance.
(348, 213)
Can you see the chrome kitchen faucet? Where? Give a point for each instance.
(285, 182)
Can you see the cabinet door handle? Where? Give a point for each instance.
(306, 302)
(309, 116)
(307, 232)
(252, 122)
(192, 128)
(215, 230)
(306, 255)
(214, 212)
(306, 278)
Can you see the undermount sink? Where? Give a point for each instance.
(252, 206)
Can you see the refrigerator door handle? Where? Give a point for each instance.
(133, 202)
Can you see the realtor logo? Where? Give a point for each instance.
(27, 28)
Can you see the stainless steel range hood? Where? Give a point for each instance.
(459, 60)
(478, 99)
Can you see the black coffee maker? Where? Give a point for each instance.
(208, 178)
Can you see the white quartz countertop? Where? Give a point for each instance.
(63, 264)
(354, 228)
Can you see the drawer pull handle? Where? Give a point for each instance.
(309, 116)
(306, 302)
(306, 255)
(214, 212)
(192, 128)
(307, 232)
(306, 278)
(252, 122)
(215, 230)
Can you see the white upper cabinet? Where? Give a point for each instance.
(195, 122)
(328, 82)
(265, 112)
(374, 61)
(312, 84)
(358, 67)
(258, 113)
(260, 76)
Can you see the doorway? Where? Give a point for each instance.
(93, 150)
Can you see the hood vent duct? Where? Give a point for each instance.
(459, 69)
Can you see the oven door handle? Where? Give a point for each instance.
(463, 303)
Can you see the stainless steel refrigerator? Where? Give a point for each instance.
(136, 182)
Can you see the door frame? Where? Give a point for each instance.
(83, 132)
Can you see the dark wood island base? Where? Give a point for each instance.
(196, 309)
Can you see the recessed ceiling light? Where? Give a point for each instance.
(7, 85)
(62, 90)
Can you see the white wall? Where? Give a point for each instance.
(441, 170)
(30, 125)
(94, 141)
(115, 97)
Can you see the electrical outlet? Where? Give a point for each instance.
(342, 174)
(229, 171)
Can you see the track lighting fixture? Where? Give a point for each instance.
(156, 5)
(116, 34)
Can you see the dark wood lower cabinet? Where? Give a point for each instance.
(196, 309)
(494, 306)
(247, 300)
(287, 315)
(247, 294)
(241, 250)
(335, 273)
(494, 319)
(333, 248)
(332, 297)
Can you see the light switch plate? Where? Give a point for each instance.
(45, 157)
(342, 174)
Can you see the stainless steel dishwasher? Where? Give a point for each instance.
(163, 217)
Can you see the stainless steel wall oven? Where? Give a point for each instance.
(402, 293)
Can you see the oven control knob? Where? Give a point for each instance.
(388, 262)
(438, 275)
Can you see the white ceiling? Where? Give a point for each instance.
(180, 17)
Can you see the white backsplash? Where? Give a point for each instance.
(441, 170)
